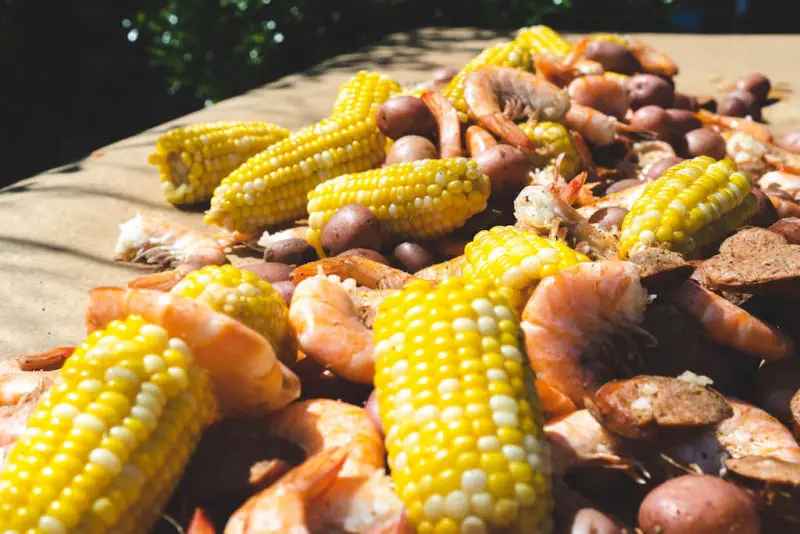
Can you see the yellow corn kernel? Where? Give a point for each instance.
(467, 452)
(272, 187)
(419, 199)
(516, 258)
(551, 140)
(241, 294)
(694, 204)
(509, 54)
(193, 160)
(364, 93)
(106, 446)
(543, 39)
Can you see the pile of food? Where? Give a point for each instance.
(543, 293)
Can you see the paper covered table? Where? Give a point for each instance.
(58, 229)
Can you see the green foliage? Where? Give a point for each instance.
(217, 48)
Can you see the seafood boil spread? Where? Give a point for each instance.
(546, 292)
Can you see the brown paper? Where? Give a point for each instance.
(58, 229)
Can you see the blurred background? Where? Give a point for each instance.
(79, 75)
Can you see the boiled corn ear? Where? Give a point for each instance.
(272, 187)
(458, 403)
(552, 139)
(695, 203)
(107, 444)
(364, 93)
(516, 258)
(194, 159)
(543, 39)
(419, 199)
(241, 294)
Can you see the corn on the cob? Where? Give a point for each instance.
(194, 160)
(515, 257)
(458, 403)
(362, 94)
(106, 446)
(543, 39)
(510, 54)
(272, 187)
(242, 295)
(692, 205)
(419, 199)
(552, 139)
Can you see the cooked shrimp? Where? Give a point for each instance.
(650, 59)
(200, 523)
(754, 129)
(784, 206)
(571, 318)
(284, 507)
(165, 244)
(248, 378)
(750, 432)
(479, 140)
(579, 440)
(729, 325)
(562, 71)
(605, 94)
(441, 271)
(365, 272)
(538, 208)
(297, 232)
(361, 496)
(622, 199)
(448, 123)
(496, 95)
(20, 391)
(330, 331)
(781, 181)
(597, 127)
(22, 375)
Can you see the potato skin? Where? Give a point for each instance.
(405, 115)
(507, 168)
(699, 504)
(411, 148)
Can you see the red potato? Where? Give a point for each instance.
(411, 148)
(507, 168)
(405, 115)
(699, 504)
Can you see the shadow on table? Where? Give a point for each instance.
(75, 190)
(30, 243)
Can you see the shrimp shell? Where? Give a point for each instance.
(248, 378)
(575, 309)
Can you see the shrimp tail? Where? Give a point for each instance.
(283, 506)
(508, 131)
(636, 134)
(573, 189)
(479, 140)
(448, 122)
(163, 281)
(200, 524)
(45, 361)
(554, 402)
